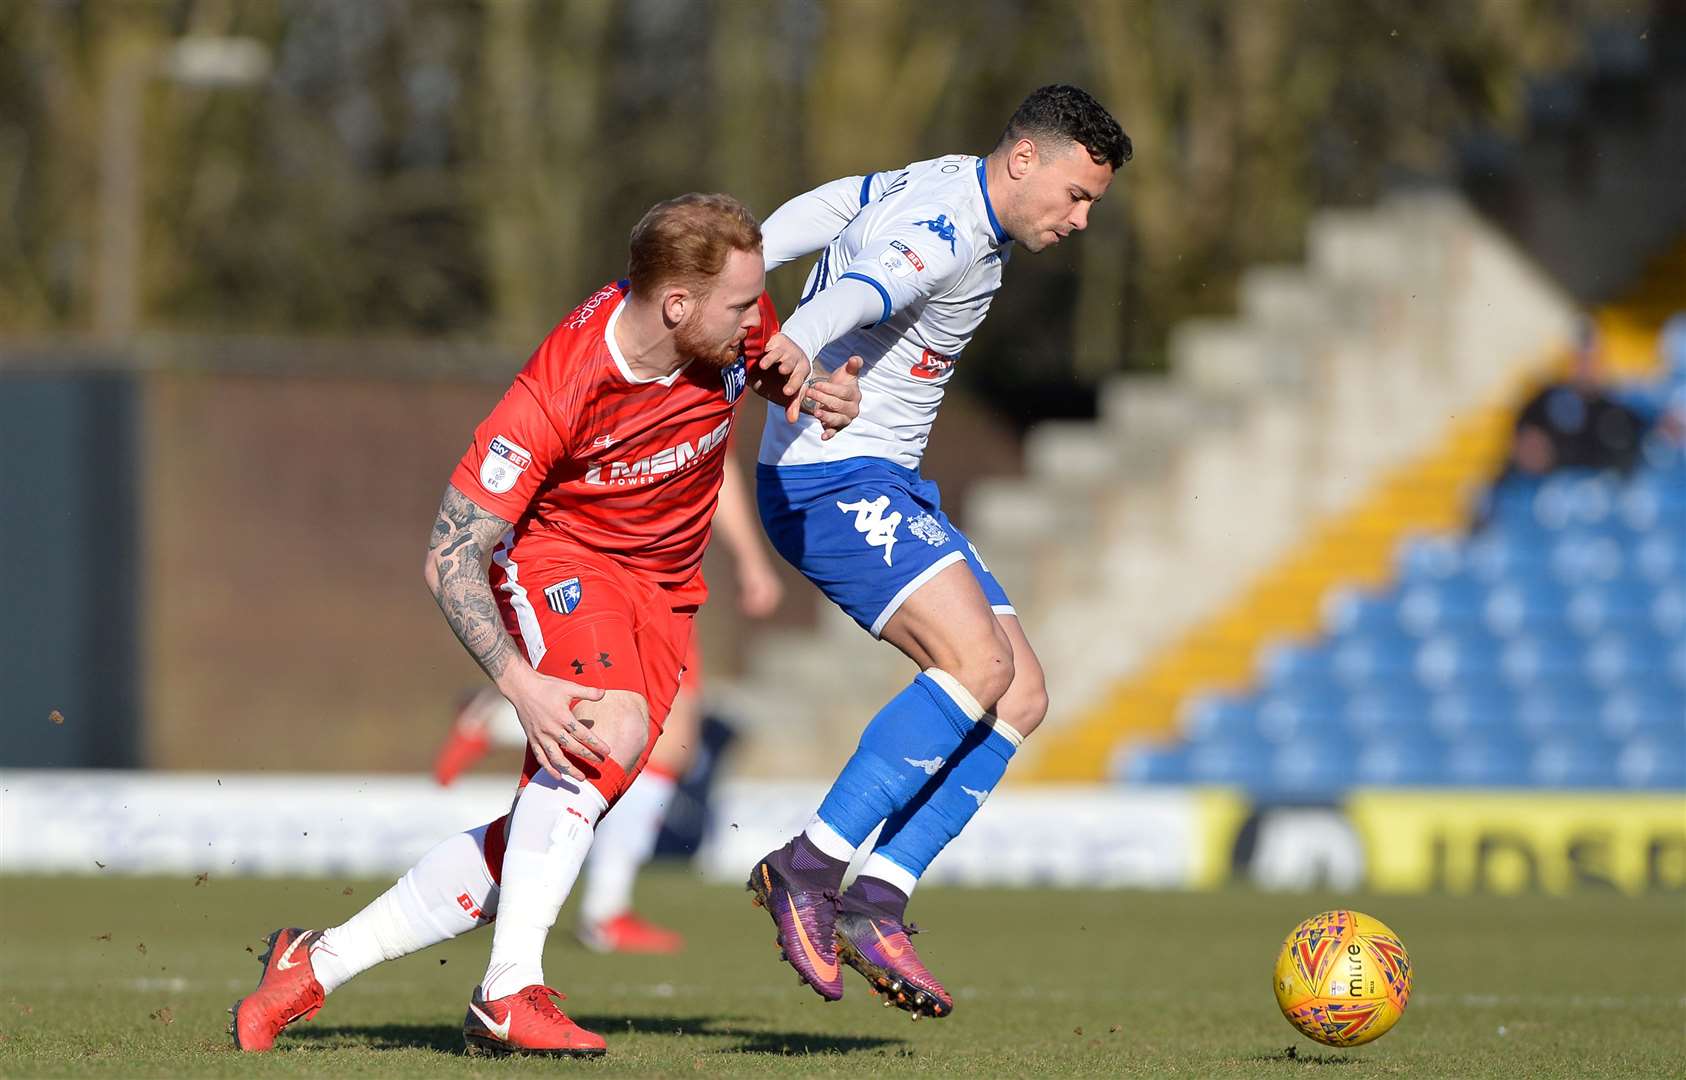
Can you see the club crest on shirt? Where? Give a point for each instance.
(504, 464)
(564, 596)
(734, 378)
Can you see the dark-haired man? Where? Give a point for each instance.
(909, 261)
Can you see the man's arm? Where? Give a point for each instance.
(458, 554)
(810, 220)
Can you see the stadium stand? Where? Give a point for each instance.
(1547, 651)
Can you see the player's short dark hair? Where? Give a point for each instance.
(685, 241)
(1067, 112)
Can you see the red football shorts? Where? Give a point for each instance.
(581, 616)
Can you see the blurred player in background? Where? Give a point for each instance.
(909, 261)
(567, 558)
(627, 838)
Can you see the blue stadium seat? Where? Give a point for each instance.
(1401, 760)
(1486, 761)
(1570, 499)
(1594, 609)
(1503, 553)
(1353, 612)
(1667, 610)
(1644, 711)
(1578, 761)
(1519, 607)
(1586, 559)
(1659, 558)
(1539, 658)
(1553, 711)
(1215, 717)
(1614, 659)
(1239, 762)
(1429, 558)
(1289, 717)
(1382, 707)
(1456, 656)
(1476, 710)
(1432, 606)
(1314, 770)
(1652, 763)
(1155, 765)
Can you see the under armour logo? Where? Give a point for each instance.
(579, 668)
(603, 658)
(980, 796)
(871, 521)
(929, 765)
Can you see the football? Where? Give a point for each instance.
(1343, 978)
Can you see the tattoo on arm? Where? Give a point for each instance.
(461, 548)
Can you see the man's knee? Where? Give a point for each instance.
(621, 719)
(984, 667)
(1024, 705)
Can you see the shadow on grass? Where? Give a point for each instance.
(1293, 1055)
(448, 1039)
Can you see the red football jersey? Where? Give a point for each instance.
(580, 451)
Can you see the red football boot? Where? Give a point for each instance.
(526, 1022)
(628, 933)
(287, 991)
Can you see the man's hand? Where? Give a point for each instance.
(759, 588)
(778, 374)
(545, 708)
(835, 399)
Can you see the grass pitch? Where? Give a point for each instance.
(112, 976)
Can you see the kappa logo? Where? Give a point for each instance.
(871, 521)
(500, 1030)
(504, 464)
(564, 596)
(929, 765)
(943, 227)
(980, 796)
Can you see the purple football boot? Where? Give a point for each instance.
(797, 884)
(873, 939)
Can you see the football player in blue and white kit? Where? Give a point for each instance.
(908, 263)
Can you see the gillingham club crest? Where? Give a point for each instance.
(564, 596)
(734, 378)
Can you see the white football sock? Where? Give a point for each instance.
(550, 833)
(449, 892)
(626, 838)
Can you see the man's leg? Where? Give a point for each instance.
(627, 838)
(946, 626)
(453, 889)
(872, 927)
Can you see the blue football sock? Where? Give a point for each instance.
(903, 747)
(914, 836)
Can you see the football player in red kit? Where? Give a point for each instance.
(567, 558)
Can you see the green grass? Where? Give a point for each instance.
(1046, 982)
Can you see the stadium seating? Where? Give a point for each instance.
(1547, 650)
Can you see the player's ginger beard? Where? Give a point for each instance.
(688, 339)
(688, 343)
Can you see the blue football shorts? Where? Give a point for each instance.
(867, 532)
